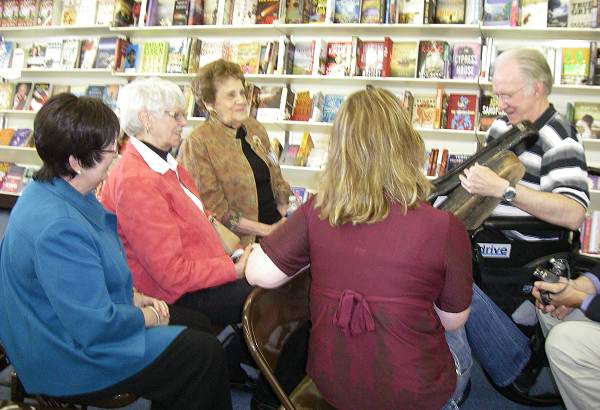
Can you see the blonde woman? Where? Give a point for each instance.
(389, 273)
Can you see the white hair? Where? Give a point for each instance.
(152, 94)
(531, 63)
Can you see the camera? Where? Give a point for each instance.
(552, 274)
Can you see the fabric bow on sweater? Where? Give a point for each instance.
(353, 315)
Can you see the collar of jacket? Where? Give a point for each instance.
(87, 205)
(154, 161)
(230, 132)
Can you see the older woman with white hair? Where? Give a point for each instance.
(171, 247)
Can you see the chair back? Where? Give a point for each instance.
(270, 316)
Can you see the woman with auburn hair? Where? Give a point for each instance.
(389, 272)
(229, 156)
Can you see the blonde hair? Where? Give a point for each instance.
(375, 158)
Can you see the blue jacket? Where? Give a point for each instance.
(67, 321)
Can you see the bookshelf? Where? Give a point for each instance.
(455, 141)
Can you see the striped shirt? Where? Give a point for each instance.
(554, 163)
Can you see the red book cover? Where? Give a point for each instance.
(461, 111)
(267, 11)
(387, 57)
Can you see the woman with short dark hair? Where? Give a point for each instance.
(70, 321)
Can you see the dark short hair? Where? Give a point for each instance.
(204, 85)
(69, 125)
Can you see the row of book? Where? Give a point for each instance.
(27, 96)
(439, 161)
(572, 62)
(302, 154)
(19, 137)
(542, 13)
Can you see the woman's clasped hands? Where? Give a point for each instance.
(156, 312)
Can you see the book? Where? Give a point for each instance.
(6, 96)
(408, 102)
(317, 11)
(466, 61)
(212, 50)
(582, 13)
(347, 11)
(497, 12)
(164, 13)
(488, 111)
(303, 57)
(105, 12)
(575, 65)
(306, 146)
(210, 12)
(45, 13)
(154, 57)
(253, 98)
(374, 60)
(403, 62)
(70, 53)
(267, 11)
(10, 13)
(410, 11)
(180, 12)
(21, 96)
(534, 13)
(423, 112)
(434, 59)
(461, 111)
(27, 13)
(432, 162)
(123, 13)
(338, 58)
(296, 11)
(53, 54)
(195, 52)
(86, 12)
(6, 51)
(331, 105)
(244, 12)
(248, 57)
(59, 89)
(95, 91)
(558, 13)
(131, 58)
(19, 137)
(450, 12)
(5, 136)
(276, 148)
(87, 54)
(78, 90)
(36, 55)
(177, 57)
(586, 116)
(372, 12)
(290, 152)
(12, 182)
(39, 96)
(302, 106)
(195, 13)
(69, 12)
(272, 103)
(110, 94)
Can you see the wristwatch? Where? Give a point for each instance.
(509, 193)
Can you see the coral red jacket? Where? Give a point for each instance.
(171, 247)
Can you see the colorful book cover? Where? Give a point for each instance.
(270, 105)
(317, 11)
(371, 59)
(461, 112)
(303, 57)
(177, 59)
(19, 137)
(466, 61)
(123, 13)
(110, 95)
(248, 56)
(10, 13)
(95, 91)
(372, 12)
(338, 59)
(211, 51)
(5, 137)
(450, 12)
(575, 65)
(331, 105)
(433, 59)
(39, 96)
(210, 12)
(13, 180)
(36, 55)
(164, 13)
(244, 12)
(497, 12)
(404, 59)
(59, 89)
(180, 12)
(558, 13)
(586, 116)
(267, 11)
(69, 12)
(534, 13)
(423, 112)
(131, 57)
(488, 111)
(295, 11)
(347, 11)
(154, 57)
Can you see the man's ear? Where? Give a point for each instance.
(75, 164)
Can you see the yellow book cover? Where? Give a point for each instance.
(575, 65)
(306, 145)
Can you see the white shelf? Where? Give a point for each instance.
(301, 176)
(19, 155)
(18, 113)
(380, 30)
(250, 30)
(54, 31)
(545, 33)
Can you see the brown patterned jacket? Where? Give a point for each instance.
(223, 176)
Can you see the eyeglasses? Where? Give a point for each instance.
(505, 97)
(176, 115)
